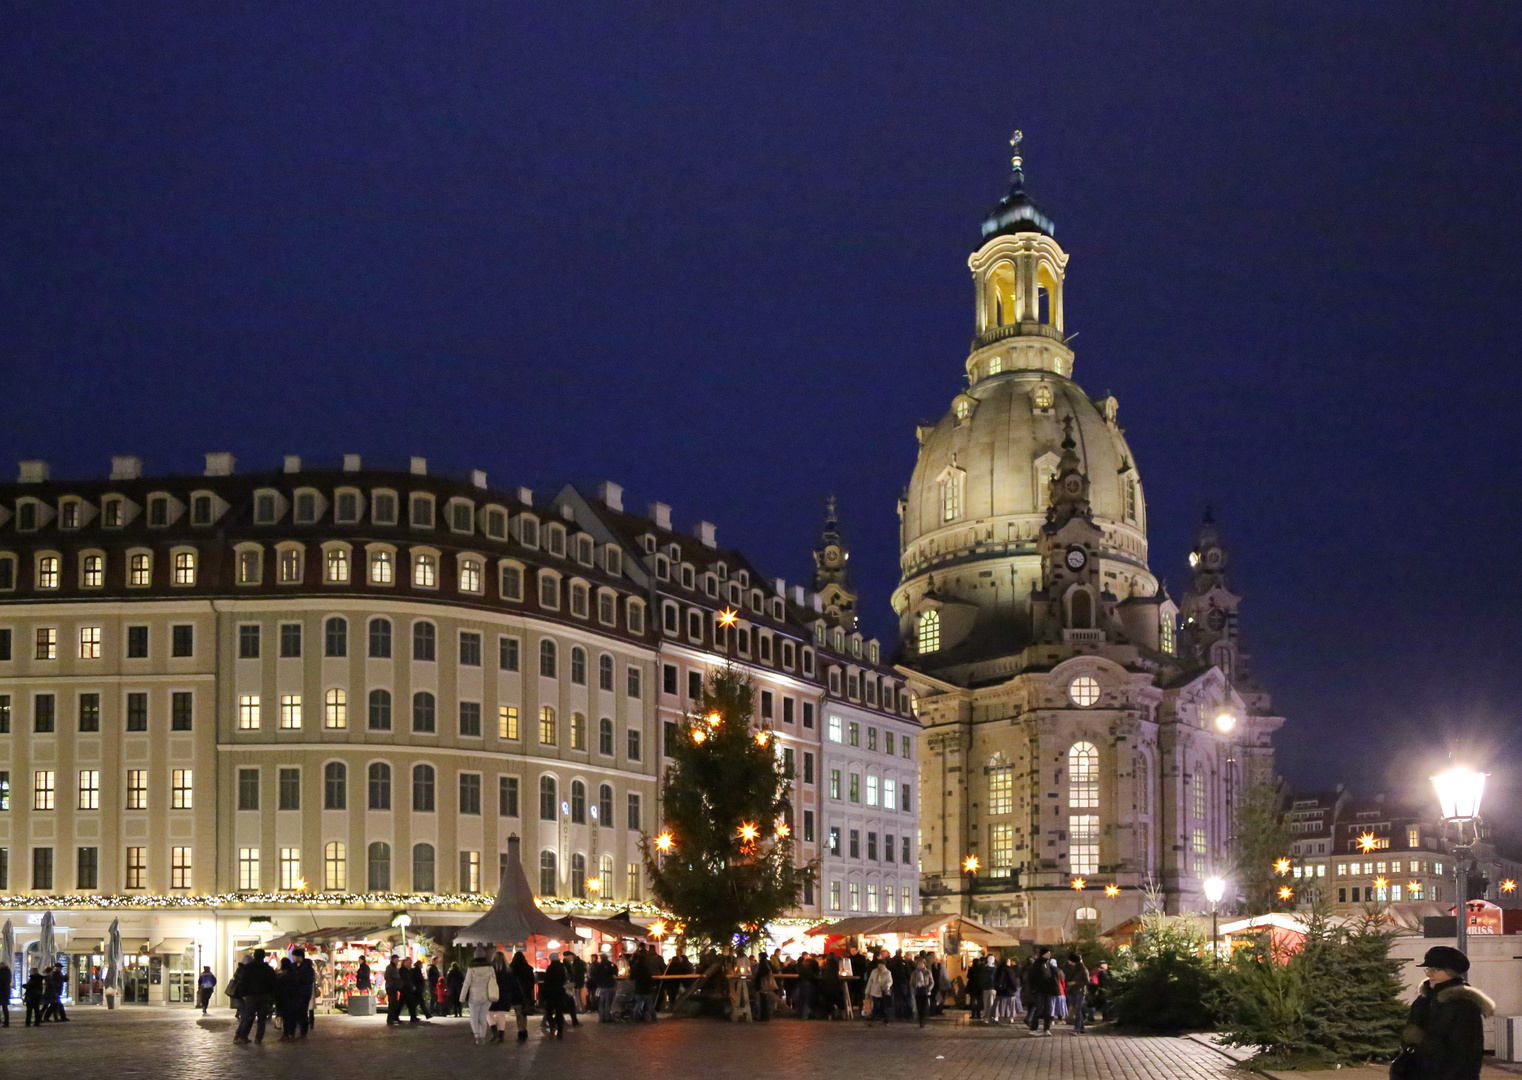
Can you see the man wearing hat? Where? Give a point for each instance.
(1445, 1032)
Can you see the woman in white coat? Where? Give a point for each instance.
(478, 992)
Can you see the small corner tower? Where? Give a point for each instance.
(832, 580)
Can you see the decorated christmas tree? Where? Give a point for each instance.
(722, 862)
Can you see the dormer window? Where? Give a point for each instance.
(421, 511)
(462, 517)
(951, 482)
(662, 567)
(292, 564)
(648, 543)
(346, 509)
(112, 514)
(68, 514)
(555, 540)
(158, 511)
(584, 549)
(687, 578)
(496, 523)
(963, 409)
(306, 507)
(26, 516)
(808, 665)
(1041, 396)
(819, 634)
(200, 510)
(839, 640)
(528, 531)
(48, 573)
(743, 577)
(711, 584)
(734, 593)
(266, 508)
(614, 561)
(383, 507)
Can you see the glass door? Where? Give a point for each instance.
(135, 980)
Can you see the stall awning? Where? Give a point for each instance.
(327, 935)
(915, 926)
(617, 928)
(84, 945)
(171, 945)
(132, 945)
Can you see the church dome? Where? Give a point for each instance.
(999, 446)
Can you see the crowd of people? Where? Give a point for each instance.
(257, 990)
(41, 995)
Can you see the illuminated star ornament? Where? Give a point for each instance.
(658, 928)
(1380, 883)
(1285, 892)
(971, 864)
(664, 842)
(728, 616)
(594, 885)
(784, 829)
(1078, 884)
(749, 832)
(1112, 890)
(1508, 885)
(1281, 866)
(1367, 842)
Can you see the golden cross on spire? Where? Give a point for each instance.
(1014, 141)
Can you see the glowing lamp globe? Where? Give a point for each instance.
(1225, 720)
(1459, 792)
(1215, 888)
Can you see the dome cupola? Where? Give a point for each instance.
(1016, 212)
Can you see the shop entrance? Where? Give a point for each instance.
(135, 979)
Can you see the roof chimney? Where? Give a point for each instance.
(818, 603)
(219, 464)
(705, 533)
(525, 496)
(292, 463)
(782, 588)
(612, 495)
(478, 478)
(798, 595)
(351, 463)
(660, 513)
(33, 472)
(419, 466)
(126, 468)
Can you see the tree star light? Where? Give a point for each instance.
(1112, 890)
(749, 831)
(1367, 842)
(664, 842)
(1285, 892)
(1078, 884)
(971, 864)
(1508, 885)
(728, 616)
(1281, 866)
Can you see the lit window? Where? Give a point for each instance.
(185, 568)
(381, 568)
(137, 789)
(1083, 776)
(47, 572)
(1167, 633)
(43, 788)
(547, 725)
(929, 631)
(507, 722)
(290, 711)
(1042, 396)
(179, 868)
(47, 643)
(1083, 843)
(336, 709)
(290, 869)
(248, 869)
(835, 729)
(250, 567)
(89, 789)
(93, 573)
(140, 569)
(871, 790)
(335, 867)
(89, 643)
(1001, 848)
(855, 893)
(470, 576)
(338, 566)
(248, 712)
(180, 789)
(425, 571)
(1084, 691)
(951, 495)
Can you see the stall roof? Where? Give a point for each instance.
(619, 928)
(915, 926)
(171, 945)
(514, 917)
(326, 936)
(84, 945)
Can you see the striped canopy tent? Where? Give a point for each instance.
(514, 917)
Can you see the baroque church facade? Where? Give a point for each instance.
(1086, 740)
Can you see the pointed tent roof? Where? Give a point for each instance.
(514, 917)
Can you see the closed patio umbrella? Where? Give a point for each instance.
(8, 945)
(113, 980)
(47, 943)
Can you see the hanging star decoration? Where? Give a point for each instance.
(658, 928)
(1415, 887)
(664, 842)
(1367, 842)
(728, 616)
(971, 864)
(1508, 886)
(1380, 883)
(1112, 890)
(749, 832)
(1281, 866)
(1285, 892)
(1078, 884)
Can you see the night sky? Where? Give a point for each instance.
(717, 253)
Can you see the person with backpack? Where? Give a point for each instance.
(206, 983)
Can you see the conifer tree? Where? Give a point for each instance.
(1261, 840)
(722, 861)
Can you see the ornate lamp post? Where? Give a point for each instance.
(1215, 888)
(1459, 792)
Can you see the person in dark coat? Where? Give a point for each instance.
(453, 982)
(980, 990)
(53, 984)
(288, 1001)
(306, 977)
(576, 978)
(1076, 975)
(32, 992)
(555, 996)
(1445, 1032)
(257, 987)
(393, 983)
(831, 989)
(206, 985)
(508, 1000)
(434, 1004)
(417, 992)
(1042, 981)
(523, 972)
(806, 992)
(7, 980)
(362, 976)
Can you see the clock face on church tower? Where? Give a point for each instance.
(1077, 558)
(832, 556)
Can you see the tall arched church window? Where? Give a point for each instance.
(929, 631)
(1083, 794)
(1167, 633)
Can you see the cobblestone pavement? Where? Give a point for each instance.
(173, 1043)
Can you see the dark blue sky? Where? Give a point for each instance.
(717, 253)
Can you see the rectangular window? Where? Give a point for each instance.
(871, 738)
(634, 747)
(547, 732)
(694, 684)
(507, 722)
(180, 789)
(906, 863)
(290, 869)
(44, 713)
(808, 767)
(470, 793)
(44, 785)
(181, 710)
(42, 869)
(854, 732)
(5, 635)
(634, 880)
(182, 641)
(507, 796)
(5, 789)
(834, 896)
(248, 712)
(290, 640)
(290, 789)
(470, 649)
(834, 783)
(137, 712)
(89, 643)
(833, 846)
(808, 715)
(470, 871)
(835, 728)
(508, 653)
(137, 789)
(634, 811)
(872, 846)
(248, 789)
(137, 868)
(766, 704)
(1001, 849)
(290, 712)
(855, 894)
(137, 643)
(888, 847)
(668, 676)
(89, 789)
(890, 795)
(470, 719)
(634, 682)
(5, 714)
(248, 869)
(1001, 791)
(855, 848)
(871, 790)
(382, 568)
(88, 874)
(855, 787)
(808, 826)
(248, 642)
(47, 643)
(89, 712)
(179, 868)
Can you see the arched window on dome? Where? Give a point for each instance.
(1041, 396)
(951, 494)
(929, 631)
(1081, 610)
(1001, 299)
(1048, 296)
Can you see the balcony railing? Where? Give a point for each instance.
(1021, 329)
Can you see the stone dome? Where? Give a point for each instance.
(1000, 442)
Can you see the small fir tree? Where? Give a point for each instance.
(1262, 839)
(722, 862)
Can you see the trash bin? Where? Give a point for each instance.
(361, 1005)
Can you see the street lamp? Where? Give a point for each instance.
(1215, 888)
(1459, 792)
(403, 920)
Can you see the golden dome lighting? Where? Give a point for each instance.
(664, 842)
(1281, 866)
(1078, 884)
(971, 864)
(1367, 842)
(1112, 890)
(728, 616)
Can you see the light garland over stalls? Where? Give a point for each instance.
(302, 901)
